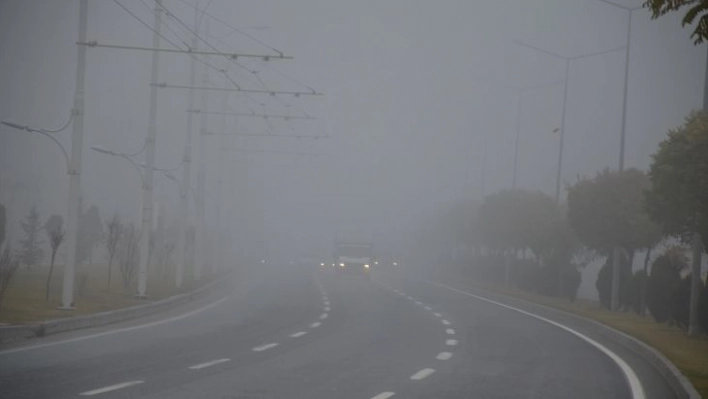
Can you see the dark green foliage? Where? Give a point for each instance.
(678, 199)
(603, 284)
(663, 282)
(703, 307)
(696, 8)
(3, 224)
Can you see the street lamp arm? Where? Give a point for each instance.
(121, 155)
(61, 147)
(44, 132)
(520, 43)
(597, 53)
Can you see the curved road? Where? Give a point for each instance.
(288, 333)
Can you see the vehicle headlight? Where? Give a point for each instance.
(366, 266)
(321, 264)
(395, 263)
(341, 264)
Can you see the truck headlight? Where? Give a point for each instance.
(366, 266)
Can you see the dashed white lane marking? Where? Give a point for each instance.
(298, 334)
(428, 308)
(437, 314)
(634, 384)
(207, 364)
(315, 324)
(444, 355)
(445, 322)
(111, 388)
(323, 316)
(409, 297)
(422, 374)
(419, 303)
(265, 347)
(384, 395)
(450, 331)
(451, 342)
(327, 309)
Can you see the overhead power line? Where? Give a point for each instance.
(264, 116)
(238, 89)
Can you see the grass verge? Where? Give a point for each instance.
(25, 301)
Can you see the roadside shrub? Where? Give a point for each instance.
(664, 280)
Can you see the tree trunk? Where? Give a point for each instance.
(49, 277)
(694, 327)
(643, 289)
(110, 263)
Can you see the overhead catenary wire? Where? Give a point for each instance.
(233, 28)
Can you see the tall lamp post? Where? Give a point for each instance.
(567, 60)
(74, 164)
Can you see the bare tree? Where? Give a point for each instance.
(31, 252)
(129, 255)
(113, 232)
(55, 231)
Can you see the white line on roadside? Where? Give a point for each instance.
(315, 324)
(422, 374)
(437, 314)
(409, 297)
(384, 395)
(444, 355)
(265, 347)
(450, 331)
(298, 334)
(634, 384)
(419, 303)
(120, 330)
(428, 308)
(323, 316)
(111, 388)
(445, 322)
(207, 364)
(327, 309)
(451, 342)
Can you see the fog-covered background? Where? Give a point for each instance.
(414, 92)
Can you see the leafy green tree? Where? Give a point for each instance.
(607, 211)
(31, 251)
(678, 199)
(54, 227)
(664, 280)
(695, 9)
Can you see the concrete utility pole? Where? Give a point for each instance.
(200, 244)
(220, 181)
(146, 224)
(72, 226)
(186, 171)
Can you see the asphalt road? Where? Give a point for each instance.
(292, 333)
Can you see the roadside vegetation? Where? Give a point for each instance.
(108, 255)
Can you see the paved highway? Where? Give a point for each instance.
(284, 332)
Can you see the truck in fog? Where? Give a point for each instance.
(353, 257)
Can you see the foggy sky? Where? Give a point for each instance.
(411, 90)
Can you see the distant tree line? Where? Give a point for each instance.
(525, 239)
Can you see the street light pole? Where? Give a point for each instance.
(562, 131)
(200, 246)
(72, 226)
(186, 171)
(146, 225)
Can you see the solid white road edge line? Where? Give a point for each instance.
(111, 388)
(265, 347)
(207, 364)
(298, 334)
(634, 384)
(120, 330)
(422, 374)
(444, 355)
(450, 331)
(384, 395)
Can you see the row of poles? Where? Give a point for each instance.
(147, 169)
